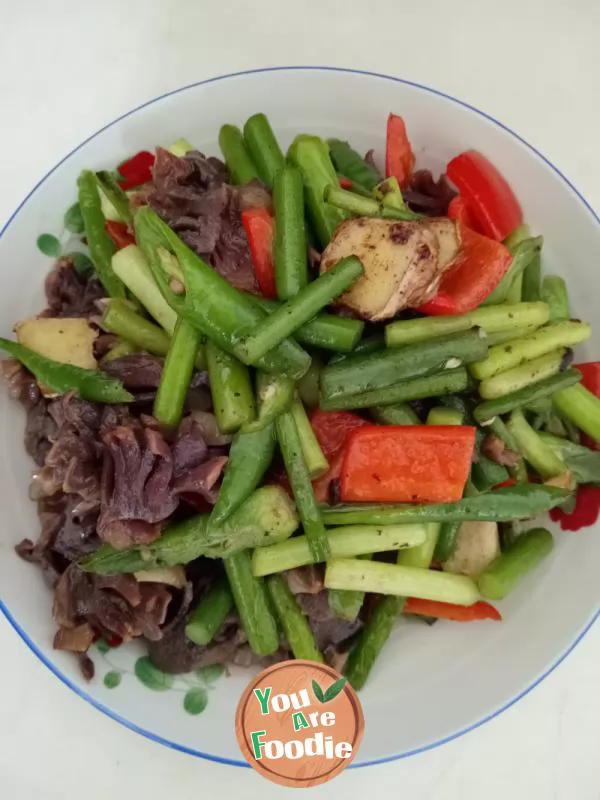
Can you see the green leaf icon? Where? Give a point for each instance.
(211, 673)
(73, 220)
(335, 688)
(49, 245)
(152, 677)
(318, 692)
(195, 701)
(112, 679)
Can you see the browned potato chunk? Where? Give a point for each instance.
(68, 340)
(403, 262)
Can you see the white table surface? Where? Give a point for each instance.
(66, 68)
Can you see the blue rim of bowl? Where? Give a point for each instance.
(108, 711)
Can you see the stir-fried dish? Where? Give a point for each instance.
(277, 402)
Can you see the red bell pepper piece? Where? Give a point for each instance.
(332, 428)
(591, 381)
(407, 464)
(585, 513)
(505, 484)
(321, 487)
(591, 376)
(488, 195)
(432, 608)
(137, 170)
(460, 211)
(399, 157)
(345, 183)
(260, 230)
(477, 270)
(119, 233)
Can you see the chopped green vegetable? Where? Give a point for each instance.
(401, 414)
(545, 340)
(382, 578)
(231, 390)
(326, 331)
(176, 375)
(266, 517)
(506, 571)
(550, 387)
(89, 384)
(263, 148)
(316, 463)
(211, 304)
(352, 165)
(492, 319)
(295, 625)
(132, 268)
(513, 502)
(309, 385)
(344, 542)
(527, 374)
(308, 509)
(523, 250)
(444, 416)
(180, 147)
(209, 614)
(252, 604)
(365, 374)
(360, 206)
(347, 603)
(249, 458)
(291, 263)
(531, 289)
(276, 327)
(275, 395)
(116, 196)
(581, 461)
(311, 155)
(447, 382)
(241, 167)
(581, 407)
(100, 244)
(554, 292)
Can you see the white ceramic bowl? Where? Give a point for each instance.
(430, 685)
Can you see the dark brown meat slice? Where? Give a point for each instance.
(305, 580)
(329, 630)
(137, 371)
(494, 448)
(70, 294)
(39, 430)
(175, 653)
(428, 196)
(112, 605)
(136, 486)
(21, 384)
(77, 535)
(192, 196)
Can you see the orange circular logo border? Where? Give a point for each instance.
(351, 706)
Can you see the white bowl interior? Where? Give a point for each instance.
(430, 684)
